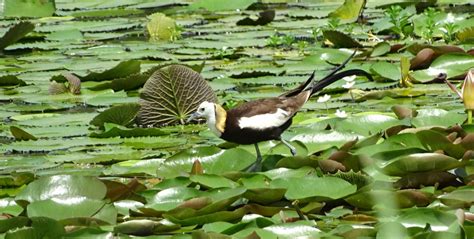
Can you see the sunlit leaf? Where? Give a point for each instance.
(29, 8)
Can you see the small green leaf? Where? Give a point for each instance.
(340, 40)
(11, 80)
(380, 49)
(21, 134)
(121, 114)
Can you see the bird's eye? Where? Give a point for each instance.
(201, 109)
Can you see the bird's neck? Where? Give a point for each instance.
(217, 121)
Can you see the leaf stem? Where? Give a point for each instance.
(469, 116)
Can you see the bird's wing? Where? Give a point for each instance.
(268, 113)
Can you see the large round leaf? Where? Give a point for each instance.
(325, 187)
(419, 162)
(73, 207)
(63, 186)
(213, 160)
(171, 94)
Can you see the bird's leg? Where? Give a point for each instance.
(292, 149)
(257, 166)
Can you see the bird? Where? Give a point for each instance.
(266, 119)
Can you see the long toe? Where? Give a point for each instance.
(255, 167)
(293, 152)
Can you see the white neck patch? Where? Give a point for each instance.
(211, 123)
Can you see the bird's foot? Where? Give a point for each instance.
(293, 151)
(255, 167)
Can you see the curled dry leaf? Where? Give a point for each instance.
(422, 59)
(171, 94)
(74, 83)
(56, 88)
(403, 112)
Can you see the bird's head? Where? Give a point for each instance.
(205, 110)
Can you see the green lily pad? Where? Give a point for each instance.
(63, 186)
(301, 188)
(420, 162)
(121, 115)
(340, 39)
(73, 207)
(213, 160)
(461, 197)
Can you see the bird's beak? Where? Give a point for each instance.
(192, 116)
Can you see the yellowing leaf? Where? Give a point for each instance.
(161, 27)
(349, 11)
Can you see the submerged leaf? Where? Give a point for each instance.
(171, 94)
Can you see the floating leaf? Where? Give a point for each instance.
(213, 5)
(380, 49)
(16, 32)
(386, 70)
(73, 207)
(301, 188)
(171, 94)
(63, 186)
(213, 160)
(340, 40)
(29, 8)
(459, 198)
(121, 114)
(420, 162)
(20, 134)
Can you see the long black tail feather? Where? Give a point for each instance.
(330, 78)
(319, 85)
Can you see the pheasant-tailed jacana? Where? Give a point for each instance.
(265, 119)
